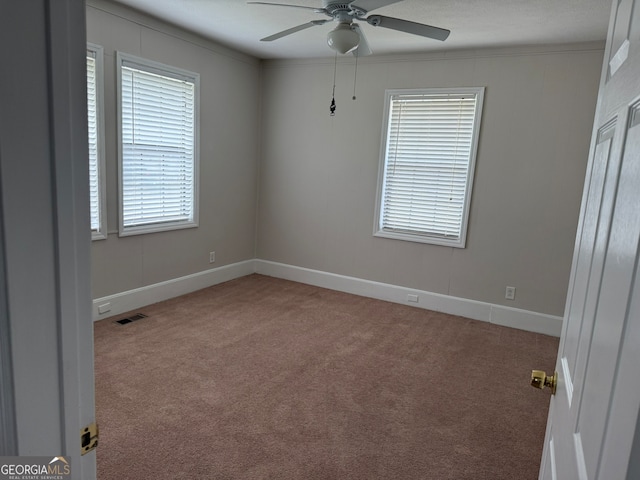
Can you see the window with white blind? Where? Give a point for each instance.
(95, 117)
(429, 143)
(158, 139)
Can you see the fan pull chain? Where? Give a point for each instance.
(332, 107)
(355, 76)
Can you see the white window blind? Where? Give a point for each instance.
(429, 153)
(96, 134)
(158, 138)
(92, 110)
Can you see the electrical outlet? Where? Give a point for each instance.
(412, 298)
(510, 293)
(212, 257)
(104, 308)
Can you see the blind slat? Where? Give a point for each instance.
(92, 114)
(429, 145)
(158, 137)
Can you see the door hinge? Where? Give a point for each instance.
(89, 438)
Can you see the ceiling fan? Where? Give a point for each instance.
(347, 36)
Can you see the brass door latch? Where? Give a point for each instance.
(89, 438)
(539, 379)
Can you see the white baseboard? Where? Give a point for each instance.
(143, 296)
(487, 312)
(506, 316)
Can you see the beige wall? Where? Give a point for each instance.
(229, 133)
(318, 173)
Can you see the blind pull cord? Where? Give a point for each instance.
(355, 76)
(332, 107)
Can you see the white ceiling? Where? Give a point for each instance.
(473, 24)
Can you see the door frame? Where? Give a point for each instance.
(46, 391)
(8, 435)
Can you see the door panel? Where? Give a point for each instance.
(576, 327)
(593, 377)
(593, 417)
(620, 43)
(625, 401)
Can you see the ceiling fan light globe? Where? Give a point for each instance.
(343, 39)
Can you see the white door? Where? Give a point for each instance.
(46, 330)
(593, 417)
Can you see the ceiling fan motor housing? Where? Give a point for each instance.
(342, 11)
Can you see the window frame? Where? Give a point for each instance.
(98, 54)
(171, 72)
(434, 239)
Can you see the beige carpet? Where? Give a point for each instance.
(261, 378)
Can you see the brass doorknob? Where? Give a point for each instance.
(539, 379)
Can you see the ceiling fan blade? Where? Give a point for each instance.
(289, 31)
(363, 47)
(315, 9)
(369, 5)
(408, 27)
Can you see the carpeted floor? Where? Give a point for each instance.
(261, 378)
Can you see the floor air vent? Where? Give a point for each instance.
(132, 318)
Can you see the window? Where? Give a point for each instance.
(95, 116)
(158, 140)
(429, 144)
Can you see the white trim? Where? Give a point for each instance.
(525, 320)
(486, 312)
(48, 296)
(125, 59)
(98, 55)
(426, 237)
(500, 315)
(143, 296)
(8, 434)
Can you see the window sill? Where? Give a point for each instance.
(432, 240)
(165, 227)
